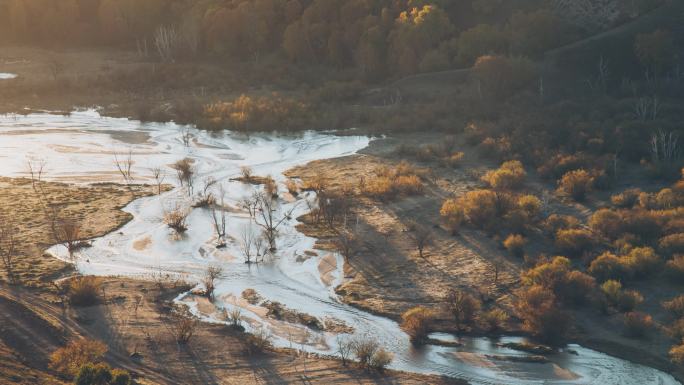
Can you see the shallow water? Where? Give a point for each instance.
(6, 76)
(82, 147)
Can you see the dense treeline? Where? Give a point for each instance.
(379, 37)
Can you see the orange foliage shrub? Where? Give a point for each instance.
(577, 184)
(69, 359)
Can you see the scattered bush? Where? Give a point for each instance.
(389, 182)
(509, 176)
(675, 267)
(515, 244)
(369, 353)
(416, 323)
(626, 199)
(608, 266)
(68, 360)
(642, 261)
(541, 315)
(381, 359)
(531, 206)
(101, 374)
(575, 242)
(675, 306)
(607, 223)
(570, 286)
(623, 300)
(557, 222)
(577, 184)
(481, 207)
(176, 219)
(452, 214)
(263, 113)
(637, 324)
(84, 291)
(463, 307)
(677, 354)
(494, 320)
(672, 244)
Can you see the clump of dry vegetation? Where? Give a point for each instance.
(390, 182)
(84, 291)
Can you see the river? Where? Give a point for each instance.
(82, 148)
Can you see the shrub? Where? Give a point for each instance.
(121, 377)
(612, 290)
(571, 286)
(510, 175)
(607, 223)
(557, 222)
(624, 301)
(183, 324)
(463, 307)
(575, 242)
(577, 184)
(541, 315)
(637, 324)
(481, 207)
(258, 341)
(608, 266)
(176, 219)
(672, 244)
(93, 374)
(675, 306)
(642, 261)
(626, 199)
(561, 164)
(452, 214)
(677, 354)
(531, 206)
(675, 267)
(68, 360)
(84, 291)
(676, 330)
(381, 359)
(494, 320)
(258, 114)
(515, 244)
(416, 323)
(454, 160)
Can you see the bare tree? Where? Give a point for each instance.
(125, 166)
(166, 40)
(35, 169)
(218, 215)
(347, 243)
(177, 219)
(68, 234)
(185, 170)
(209, 280)
(251, 203)
(269, 217)
(8, 248)
(665, 147)
(183, 324)
(186, 136)
(422, 237)
(345, 348)
(159, 177)
(247, 239)
(206, 196)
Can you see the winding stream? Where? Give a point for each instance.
(81, 148)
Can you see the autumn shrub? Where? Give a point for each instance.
(575, 242)
(531, 206)
(608, 266)
(380, 360)
(416, 323)
(263, 113)
(93, 374)
(509, 176)
(675, 267)
(637, 324)
(676, 330)
(463, 307)
(560, 164)
(606, 222)
(576, 184)
(176, 219)
(370, 354)
(626, 199)
(515, 244)
(541, 315)
(557, 222)
(481, 207)
(623, 300)
(494, 320)
(569, 286)
(389, 182)
(675, 306)
(68, 360)
(672, 244)
(84, 291)
(454, 160)
(452, 214)
(677, 354)
(642, 262)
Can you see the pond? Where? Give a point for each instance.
(82, 148)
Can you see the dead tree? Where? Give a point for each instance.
(185, 171)
(665, 147)
(218, 215)
(209, 280)
(125, 166)
(35, 169)
(183, 324)
(8, 248)
(166, 42)
(421, 237)
(269, 217)
(159, 177)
